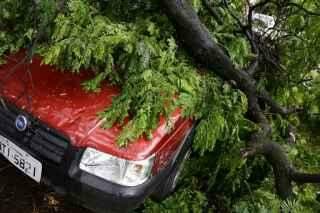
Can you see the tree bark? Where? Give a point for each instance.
(196, 37)
(198, 41)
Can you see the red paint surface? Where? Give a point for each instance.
(58, 99)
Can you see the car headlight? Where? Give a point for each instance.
(114, 169)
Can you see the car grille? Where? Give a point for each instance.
(39, 138)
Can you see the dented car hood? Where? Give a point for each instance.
(58, 99)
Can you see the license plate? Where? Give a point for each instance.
(21, 159)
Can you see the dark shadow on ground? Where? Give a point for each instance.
(19, 194)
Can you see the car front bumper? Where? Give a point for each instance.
(104, 196)
(92, 192)
(60, 168)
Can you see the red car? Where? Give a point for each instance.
(49, 129)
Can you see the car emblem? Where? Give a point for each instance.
(21, 123)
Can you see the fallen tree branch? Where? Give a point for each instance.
(285, 174)
(275, 107)
(253, 68)
(199, 43)
(301, 178)
(197, 39)
(281, 166)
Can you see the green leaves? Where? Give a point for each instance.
(15, 26)
(132, 44)
(186, 200)
(83, 39)
(209, 131)
(155, 79)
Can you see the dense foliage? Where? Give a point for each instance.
(133, 44)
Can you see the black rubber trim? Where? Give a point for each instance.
(64, 176)
(102, 196)
(38, 137)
